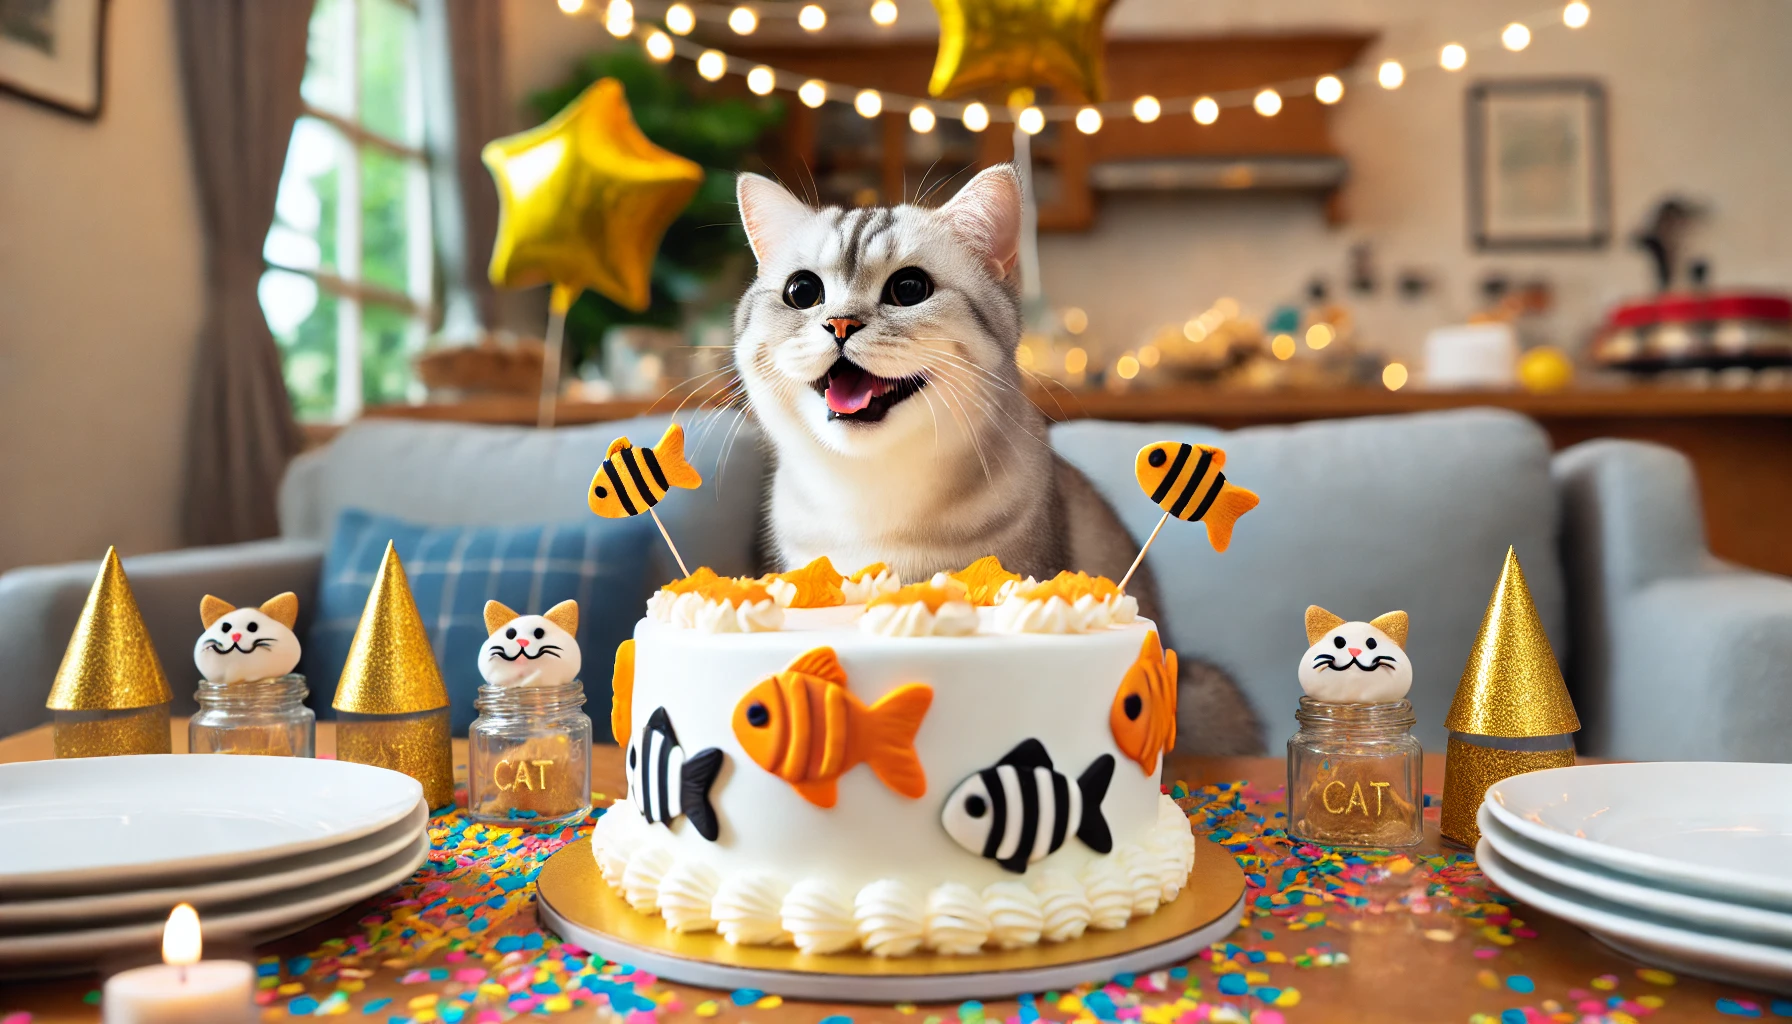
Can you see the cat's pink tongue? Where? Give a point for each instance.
(851, 390)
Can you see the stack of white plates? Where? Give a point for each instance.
(94, 852)
(1686, 866)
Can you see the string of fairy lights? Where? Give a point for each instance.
(663, 28)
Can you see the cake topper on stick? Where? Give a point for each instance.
(1185, 481)
(633, 480)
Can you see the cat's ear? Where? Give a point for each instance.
(565, 615)
(497, 615)
(985, 215)
(1320, 622)
(282, 608)
(211, 609)
(1394, 625)
(769, 213)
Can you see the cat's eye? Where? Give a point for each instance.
(253, 626)
(803, 290)
(510, 634)
(1338, 642)
(909, 286)
(540, 633)
(224, 627)
(1369, 643)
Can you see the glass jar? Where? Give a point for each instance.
(1355, 774)
(529, 755)
(261, 716)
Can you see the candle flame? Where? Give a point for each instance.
(180, 938)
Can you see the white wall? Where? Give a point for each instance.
(1697, 105)
(101, 290)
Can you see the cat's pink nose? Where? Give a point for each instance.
(234, 637)
(522, 643)
(1354, 651)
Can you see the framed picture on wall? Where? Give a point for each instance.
(53, 52)
(1538, 170)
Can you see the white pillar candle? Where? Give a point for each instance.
(183, 989)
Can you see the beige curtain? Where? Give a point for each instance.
(241, 63)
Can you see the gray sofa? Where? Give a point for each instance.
(1669, 652)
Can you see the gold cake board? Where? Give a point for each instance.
(576, 903)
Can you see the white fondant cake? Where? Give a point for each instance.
(994, 848)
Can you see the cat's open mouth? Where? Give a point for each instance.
(218, 648)
(856, 394)
(1323, 660)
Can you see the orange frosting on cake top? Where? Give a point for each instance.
(869, 571)
(984, 579)
(817, 585)
(722, 589)
(1071, 587)
(921, 593)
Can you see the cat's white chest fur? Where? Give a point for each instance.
(1356, 662)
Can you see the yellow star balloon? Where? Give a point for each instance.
(1020, 43)
(583, 201)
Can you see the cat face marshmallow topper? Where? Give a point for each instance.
(241, 644)
(1355, 662)
(531, 648)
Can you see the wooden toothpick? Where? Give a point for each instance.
(1135, 562)
(674, 547)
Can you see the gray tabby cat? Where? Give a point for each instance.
(877, 349)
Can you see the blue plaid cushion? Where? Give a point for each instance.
(454, 570)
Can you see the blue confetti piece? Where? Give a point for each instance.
(1179, 973)
(513, 883)
(1268, 994)
(1522, 984)
(1125, 980)
(1234, 984)
(1782, 1007)
(376, 1005)
(1101, 1006)
(1512, 1017)
(837, 1018)
(509, 944)
(1736, 1009)
(746, 996)
(298, 965)
(534, 940)
(268, 970)
(302, 1006)
(1256, 956)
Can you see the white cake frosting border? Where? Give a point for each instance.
(888, 917)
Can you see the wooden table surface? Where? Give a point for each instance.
(1403, 966)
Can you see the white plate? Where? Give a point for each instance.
(209, 889)
(256, 920)
(1743, 922)
(1715, 828)
(110, 821)
(1642, 936)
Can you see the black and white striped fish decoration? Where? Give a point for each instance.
(664, 784)
(1021, 809)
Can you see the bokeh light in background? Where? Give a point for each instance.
(1282, 346)
(762, 80)
(1076, 321)
(1515, 37)
(1319, 336)
(1146, 109)
(1452, 57)
(813, 18)
(1127, 366)
(869, 103)
(1390, 74)
(1575, 15)
(1031, 121)
(681, 19)
(1088, 120)
(1205, 111)
(1329, 89)
(659, 46)
(743, 21)
(1076, 361)
(884, 13)
(921, 118)
(976, 117)
(712, 65)
(1268, 103)
(1394, 376)
(813, 93)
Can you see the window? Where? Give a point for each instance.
(349, 290)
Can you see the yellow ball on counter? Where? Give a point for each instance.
(1545, 369)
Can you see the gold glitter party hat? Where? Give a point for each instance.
(391, 669)
(110, 663)
(1512, 685)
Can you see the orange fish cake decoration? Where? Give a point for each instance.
(1185, 480)
(816, 585)
(622, 692)
(804, 726)
(1143, 717)
(633, 480)
(984, 580)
